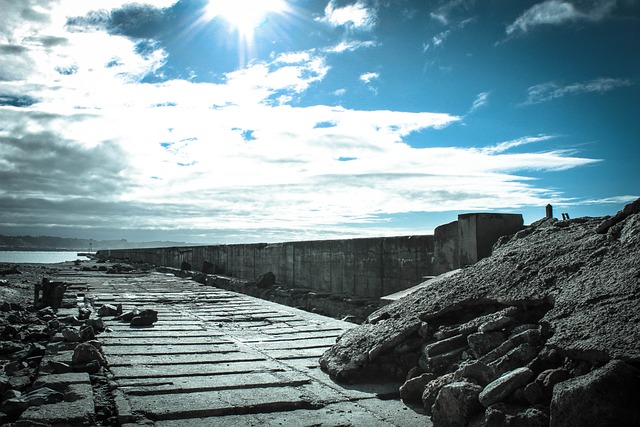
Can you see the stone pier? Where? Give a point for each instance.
(220, 358)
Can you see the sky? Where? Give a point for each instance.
(238, 121)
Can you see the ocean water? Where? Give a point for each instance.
(39, 257)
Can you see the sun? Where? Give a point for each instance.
(244, 15)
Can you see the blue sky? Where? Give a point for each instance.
(271, 120)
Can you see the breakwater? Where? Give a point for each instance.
(366, 267)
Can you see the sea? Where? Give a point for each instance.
(39, 257)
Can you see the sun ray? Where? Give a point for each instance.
(243, 18)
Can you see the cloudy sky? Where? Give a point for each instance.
(228, 121)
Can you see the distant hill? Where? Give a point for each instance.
(49, 243)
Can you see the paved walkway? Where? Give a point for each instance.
(217, 358)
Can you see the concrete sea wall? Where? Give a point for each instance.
(367, 268)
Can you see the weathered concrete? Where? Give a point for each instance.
(471, 238)
(215, 357)
(367, 268)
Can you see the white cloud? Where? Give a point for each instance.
(548, 91)
(235, 155)
(357, 15)
(369, 77)
(558, 12)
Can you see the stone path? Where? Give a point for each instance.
(220, 358)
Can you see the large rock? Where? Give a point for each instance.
(455, 404)
(505, 385)
(608, 396)
(358, 350)
(412, 389)
(86, 353)
(266, 280)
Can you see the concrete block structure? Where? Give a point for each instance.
(471, 238)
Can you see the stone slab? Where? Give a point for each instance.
(155, 349)
(335, 414)
(222, 368)
(225, 402)
(249, 380)
(59, 382)
(182, 359)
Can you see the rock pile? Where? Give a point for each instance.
(46, 366)
(544, 332)
(53, 370)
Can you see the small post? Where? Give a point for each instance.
(549, 212)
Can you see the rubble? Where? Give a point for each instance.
(43, 352)
(543, 332)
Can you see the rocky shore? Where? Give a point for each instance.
(53, 371)
(546, 331)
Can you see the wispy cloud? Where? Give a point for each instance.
(506, 145)
(481, 100)
(443, 13)
(358, 15)
(439, 39)
(350, 46)
(548, 91)
(559, 12)
(436, 41)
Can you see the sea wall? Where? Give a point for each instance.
(366, 268)
(369, 267)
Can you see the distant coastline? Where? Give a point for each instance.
(57, 244)
(39, 257)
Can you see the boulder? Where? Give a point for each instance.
(548, 378)
(477, 371)
(445, 345)
(516, 358)
(481, 343)
(607, 396)
(361, 349)
(432, 389)
(145, 318)
(108, 310)
(499, 389)
(265, 280)
(71, 335)
(208, 267)
(85, 352)
(412, 389)
(456, 404)
(87, 333)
